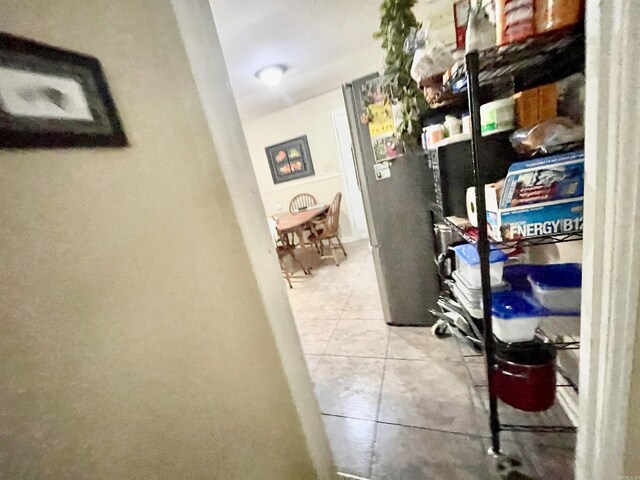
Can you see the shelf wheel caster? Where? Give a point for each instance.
(506, 466)
(440, 329)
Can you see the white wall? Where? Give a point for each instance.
(311, 118)
(134, 341)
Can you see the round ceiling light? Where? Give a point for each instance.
(271, 76)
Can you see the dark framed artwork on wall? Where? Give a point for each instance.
(290, 160)
(54, 98)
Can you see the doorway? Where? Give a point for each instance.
(350, 180)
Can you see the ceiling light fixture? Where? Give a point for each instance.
(271, 76)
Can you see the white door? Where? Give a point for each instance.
(350, 181)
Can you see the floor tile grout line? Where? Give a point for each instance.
(471, 392)
(402, 359)
(375, 429)
(404, 425)
(353, 287)
(340, 316)
(342, 310)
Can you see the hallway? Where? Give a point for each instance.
(398, 403)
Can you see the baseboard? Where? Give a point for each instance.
(353, 239)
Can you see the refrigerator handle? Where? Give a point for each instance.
(355, 166)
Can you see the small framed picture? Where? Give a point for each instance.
(290, 160)
(54, 98)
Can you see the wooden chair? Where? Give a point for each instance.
(284, 248)
(327, 229)
(303, 200)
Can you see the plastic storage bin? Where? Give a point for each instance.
(558, 287)
(468, 263)
(470, 297)
(515, 318)
(517, 275)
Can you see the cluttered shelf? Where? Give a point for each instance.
(532, 324)
(515, 67)
(470, 234)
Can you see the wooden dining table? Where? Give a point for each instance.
(296, 222)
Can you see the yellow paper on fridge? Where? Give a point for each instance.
(381, 120)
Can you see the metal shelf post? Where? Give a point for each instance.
(473, 67)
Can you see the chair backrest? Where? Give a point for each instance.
(302, 200)
(333, 216)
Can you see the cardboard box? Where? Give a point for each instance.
(527, 108)
(540, 197)
(536, 105)
(547, 102)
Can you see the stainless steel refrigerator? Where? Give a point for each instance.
(399, 221)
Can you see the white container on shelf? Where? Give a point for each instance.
(497, 116)
(469, 297)
(453, 125)
(558, 287)
(468, 265)
(515, 318)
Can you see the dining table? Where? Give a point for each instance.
(295, 223)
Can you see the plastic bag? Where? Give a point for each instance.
(550, 136)
(430, 57)
(481, 33)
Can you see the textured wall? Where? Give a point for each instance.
(133, 340)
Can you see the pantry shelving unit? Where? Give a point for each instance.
(471, 236)
(488, 75)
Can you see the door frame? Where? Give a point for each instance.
(350, 208)
(611, 255)
(200, 39)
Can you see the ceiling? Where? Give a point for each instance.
(324, 43)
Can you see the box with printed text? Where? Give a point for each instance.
(541, 197)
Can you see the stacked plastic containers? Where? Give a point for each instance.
(522, 295)
(468, 283)
(468, 264)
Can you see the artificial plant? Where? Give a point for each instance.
(397, 20)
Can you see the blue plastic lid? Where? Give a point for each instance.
(469, 253)
(517, 275)
(512, 305)
(558, 276)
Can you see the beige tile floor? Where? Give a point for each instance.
(399, 404)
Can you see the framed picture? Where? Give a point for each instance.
(54, 98)
(290, 160)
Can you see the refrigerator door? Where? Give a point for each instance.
(400, 225)
(360, 150)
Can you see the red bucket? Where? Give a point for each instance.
(525, 375)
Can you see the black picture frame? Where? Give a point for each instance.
(290, 160)
(54, 98)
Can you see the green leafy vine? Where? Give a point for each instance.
(396, 21)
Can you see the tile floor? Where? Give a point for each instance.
(399, 404)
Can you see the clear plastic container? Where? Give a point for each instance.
(515, 317)
(468, 265)
(558, 287)
(474, 294)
